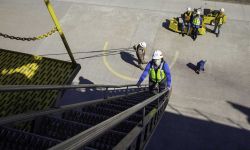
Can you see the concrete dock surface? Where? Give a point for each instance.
(206, 111)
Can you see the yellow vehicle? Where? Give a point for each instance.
(175, 24)
(208, 17)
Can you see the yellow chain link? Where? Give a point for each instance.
(46, 34)
(30, 38)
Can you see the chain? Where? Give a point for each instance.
(29, 38)
(46, 34)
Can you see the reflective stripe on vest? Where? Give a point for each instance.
(220, 18)
(157, 75)
(196, 21)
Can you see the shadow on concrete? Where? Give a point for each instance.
(80, 95)
(192, 66)
(87, 94)
(166, 24)
(86, 81)
(129, 58)
(209, 30)
(178, 132)
(93, 54)
(243, 109)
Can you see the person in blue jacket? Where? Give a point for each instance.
(159, 74)
(200, 66)
(196, 24)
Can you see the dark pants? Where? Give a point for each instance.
(217, 27)
(195, 32)
(157, 87)
(185, 24)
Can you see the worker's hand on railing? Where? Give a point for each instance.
(168, 88)
(138, 84)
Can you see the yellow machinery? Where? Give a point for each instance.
(209, 16)
(175, 24)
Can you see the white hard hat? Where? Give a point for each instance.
(189, 9)
(143, 44)
(198, 12)
(157, 54)
(222, 10)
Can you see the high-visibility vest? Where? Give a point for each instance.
(196, 21)
(157, 75)
(220, 18)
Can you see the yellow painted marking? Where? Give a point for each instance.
(174, 59)
(111, 69)
(124, 76)
(29, 70)
(38, 57)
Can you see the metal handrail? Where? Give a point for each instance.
(13, 88)
(32, 115)
(90, 134)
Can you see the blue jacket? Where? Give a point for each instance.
(195, 26)
(201, 65)
(146, 72)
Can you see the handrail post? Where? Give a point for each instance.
(145, 87)
(56, 22)
(143, 116)
(106, 93)
(127, 91)
(158, 102)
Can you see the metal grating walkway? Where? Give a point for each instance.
(25, 69)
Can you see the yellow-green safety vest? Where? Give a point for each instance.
(196, 21)
(157, 75)
(220, 18)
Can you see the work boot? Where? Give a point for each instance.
(140, 66)
(182, 34)
(194, 37)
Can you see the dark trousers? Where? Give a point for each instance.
(195, 33)
(217, 27)
(185, 24)
(155, 87)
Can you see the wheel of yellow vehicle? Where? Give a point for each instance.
(212, 22)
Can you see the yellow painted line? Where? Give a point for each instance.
(111, 69)
(119, 75)
(174, 59)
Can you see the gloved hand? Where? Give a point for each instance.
(138, 84)
(168, 88)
